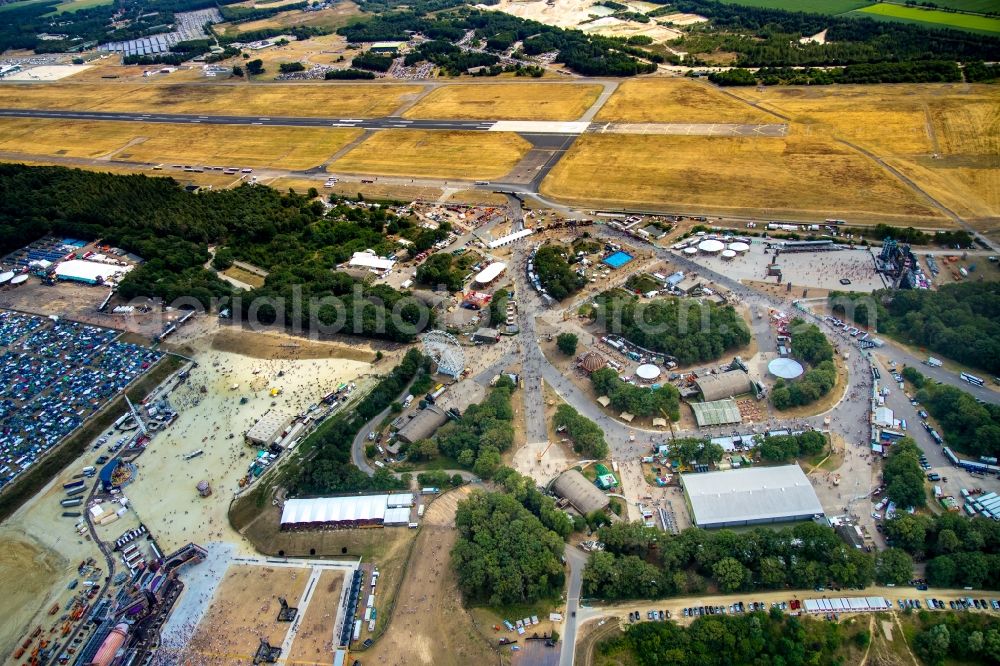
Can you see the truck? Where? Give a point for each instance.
(933, 362)
(76, 501)
(408, 401)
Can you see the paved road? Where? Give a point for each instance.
(576, 560)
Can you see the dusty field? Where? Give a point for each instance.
(244, 276)
(243, 610)
(507, 101)
(430, 625)
(435, 154)
(944, 136)
(323, 50)
(354, 101)
(278, 147)
(215, 421)
(677, 101)
(331, 18)
(794, 175)
(276, 346)
(314, 641)
(586, 16)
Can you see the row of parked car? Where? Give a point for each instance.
(652, 615)
(739, 607)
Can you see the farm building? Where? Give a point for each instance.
(339, 512)
(89, 272)
(269, 428)
(718, 412)
(750, 496)
(725, 385)
(581, 493)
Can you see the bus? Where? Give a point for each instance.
(972, 379)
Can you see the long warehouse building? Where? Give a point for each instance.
(751, 496)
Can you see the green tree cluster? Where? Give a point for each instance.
(684, 328)
(554, 271)
(638, 400)
(441, 269)
(903, 477)
(692, 449)
(783, 448)
(730, 640)
(959, 551)
(959, 638)
(588, 439)
(504, 555)
(967, 426)
(567, 342)
(643, 562)
(810, 345)
(483, 432)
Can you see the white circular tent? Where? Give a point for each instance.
(711, 246)
(739, 247)
(785, 368)
(647, 372)
(691, 250)
(728, 254)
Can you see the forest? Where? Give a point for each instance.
(290, 235)
(329, 468)
(726, 640)
(964, 638)
(641, 562)
(554, 272)
(686, 329)
(924, 71)
(903, 477)
(967, 426)
(959, 551)
(959, 321)
(504, 555)
(662, 402)
(482, 433)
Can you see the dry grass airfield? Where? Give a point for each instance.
(435, 154)
(677, 101)
(507, 101)
(277, 147)
(330, 18)
(242, 99)
(798, 175)
(946, 137)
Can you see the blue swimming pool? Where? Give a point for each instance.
(618, 259)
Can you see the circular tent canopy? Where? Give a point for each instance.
(647, 372)
(202, 486)
(785, 368)
(711, 246)
(739, 246)
(728, 254)
(19, 279)
(593, 362)
(690, 250)
(6, 277)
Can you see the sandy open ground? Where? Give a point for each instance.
(47, 73)
(313, 643)
(663, 100)
(244, 610)
(585, 16)
(435, 154)
(278, 147)
(328, 100)
(507, 101)
(822, 270)
(164, 494)
(430, 625)
(794, 175)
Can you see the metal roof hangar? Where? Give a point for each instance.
(751, 496)
(580, 492)
(724, 385)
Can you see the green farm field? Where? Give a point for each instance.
(831, 7)
(932, 17)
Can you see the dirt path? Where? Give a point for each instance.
(429, 624)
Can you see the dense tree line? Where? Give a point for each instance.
(504, 555)
(442, 270)
(329, 468)
(450, 58)
(242, 14)
(662, 402)
(978, 72)
(959, 551)
(809, 343)
(730, 640)
(924, 71)
(967, 426)
(372, 61)
(288, 234)
(483, 432)
(690, 450)
(903, 477)
(643, 562)
(773, 37)
(555, 273)
(587, 438)
(965, 638)
(684, 328)
(785, 448)
(498, 308)
(349, 73)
